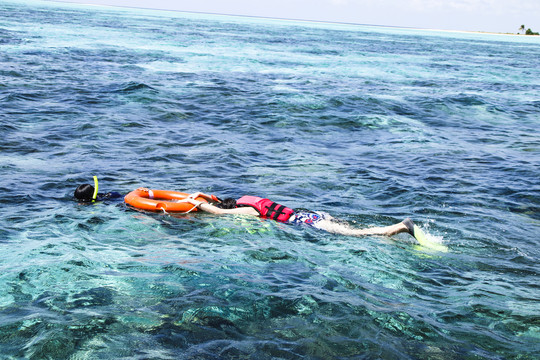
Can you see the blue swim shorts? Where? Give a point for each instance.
(311, 218)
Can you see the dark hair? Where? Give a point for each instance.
(84, 192)
(228, 203)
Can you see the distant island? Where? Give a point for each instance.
(528, 31)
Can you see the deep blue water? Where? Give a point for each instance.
(369, 124)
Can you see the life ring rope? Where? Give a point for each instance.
(160, 200)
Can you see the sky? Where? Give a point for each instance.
(504, 16)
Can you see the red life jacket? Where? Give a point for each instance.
(266, 208)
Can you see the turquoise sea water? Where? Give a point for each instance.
(369, 124)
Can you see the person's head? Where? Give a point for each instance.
(84, 192)
(228, 203)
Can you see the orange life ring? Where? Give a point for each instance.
(160, 200)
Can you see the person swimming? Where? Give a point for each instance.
(265, 208)
(89, 193)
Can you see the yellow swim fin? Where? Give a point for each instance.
(422, 238)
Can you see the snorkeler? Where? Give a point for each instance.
(89, 193)
(265, 208)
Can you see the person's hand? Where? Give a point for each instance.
(143, 189)
(194, 195)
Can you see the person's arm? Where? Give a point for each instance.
(200, 194)
(218, 211)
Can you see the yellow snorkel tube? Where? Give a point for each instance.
(96, 187)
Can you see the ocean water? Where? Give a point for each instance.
(369, 124)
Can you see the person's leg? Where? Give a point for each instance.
(344, 229)
(324, 221)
